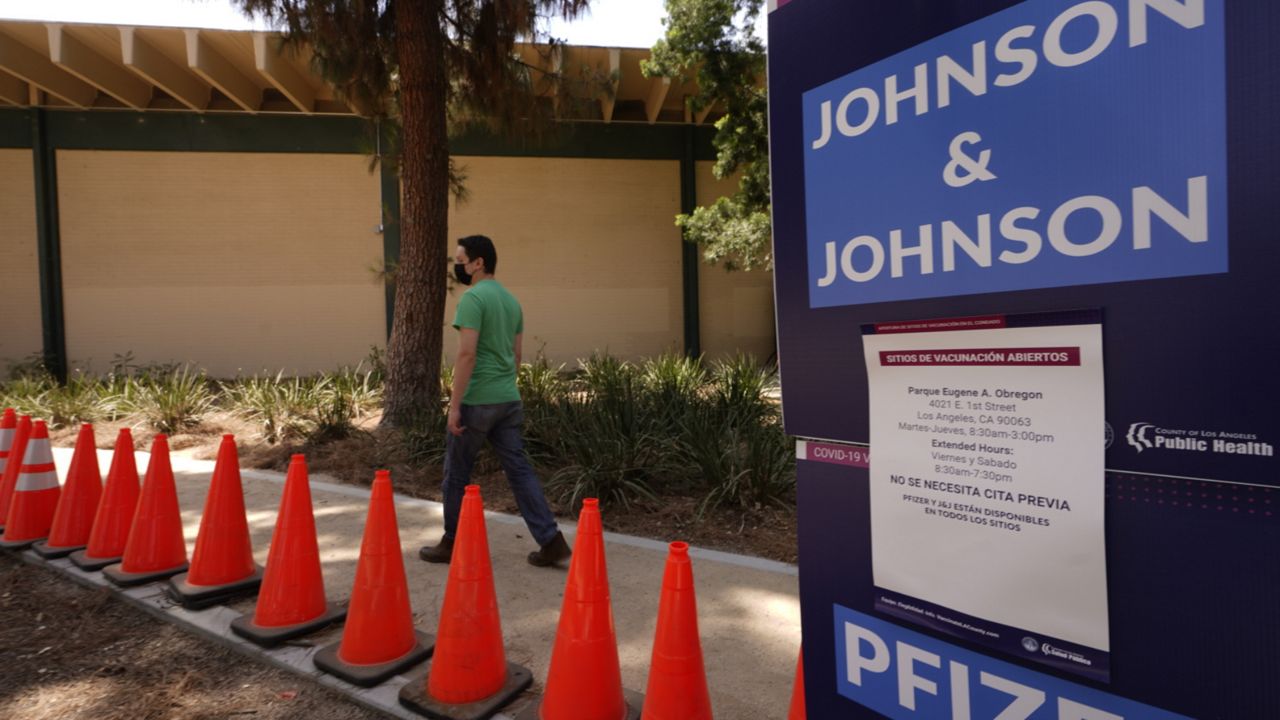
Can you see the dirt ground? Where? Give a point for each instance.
(72, 652)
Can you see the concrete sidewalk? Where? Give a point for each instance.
(748, 608)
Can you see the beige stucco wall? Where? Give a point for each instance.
(239, 262)
(19, 264)
(588, 246)
(736, 307)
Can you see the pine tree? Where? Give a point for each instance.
(425, 66)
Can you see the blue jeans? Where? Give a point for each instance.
(501, 425)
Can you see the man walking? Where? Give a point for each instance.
(485, 403)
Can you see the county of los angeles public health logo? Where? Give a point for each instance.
(1137, 436)
(1030, 644)
(1147, 436)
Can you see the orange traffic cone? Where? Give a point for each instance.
(35, 495)
(115, 510)
(379, 640)
(797, 692)
(584, 681)
(14, 462)
(8, 426)
(292, 602)
(73, 520)
(156, 548)
(8, 429)
(677, 679)
(222, 567)
(469, 677)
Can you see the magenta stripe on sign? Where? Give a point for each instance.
(983, 356)
(834, 454)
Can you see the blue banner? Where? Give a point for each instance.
(904, 675)
(1055, 143)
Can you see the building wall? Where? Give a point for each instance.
(238, 262)
(736, 307)
(588, 246)
(20, 320)
(251, 262)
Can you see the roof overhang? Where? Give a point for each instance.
(159, 69)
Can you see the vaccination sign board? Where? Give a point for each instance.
(1003, 156)
(1025, 282)
(987, 490)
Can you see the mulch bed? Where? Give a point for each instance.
(72, 652)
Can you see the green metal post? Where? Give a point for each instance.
(689, 251)
(49, 247)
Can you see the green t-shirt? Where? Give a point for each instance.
(496, 315)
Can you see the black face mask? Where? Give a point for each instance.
(460, 273)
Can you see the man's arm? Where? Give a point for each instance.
(463, 366)
(519, 350)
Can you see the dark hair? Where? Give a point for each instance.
(480, 246)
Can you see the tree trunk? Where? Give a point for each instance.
(414, 350)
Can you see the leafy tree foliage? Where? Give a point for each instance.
(714, 40)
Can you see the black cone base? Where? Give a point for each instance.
(198, 597)
(89, 564)
(328, 661)
(272, 636)
(18, 544)
(414, 696)
(128, 579)
(48, 552)
(635, 702)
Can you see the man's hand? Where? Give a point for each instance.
(455, 421)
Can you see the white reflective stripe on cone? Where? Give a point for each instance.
(38, 452)
(28, 482)
(6, 439)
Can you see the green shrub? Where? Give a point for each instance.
(28, 393)
(424, 438)
(361, 386)
(446, 383)
(617, 431)
(170, 400)
(82, 399)
(542, 388)
(604, 448)
(607, 379)
(340, 399)
(541, 385)
(320, 407)
(673, 385)
(332, 412)
(279, 406)
(758, 469)
(740, 384)
(376, 361)
(725, 441)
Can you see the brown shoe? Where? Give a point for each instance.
(551, 553)
(441, 553)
